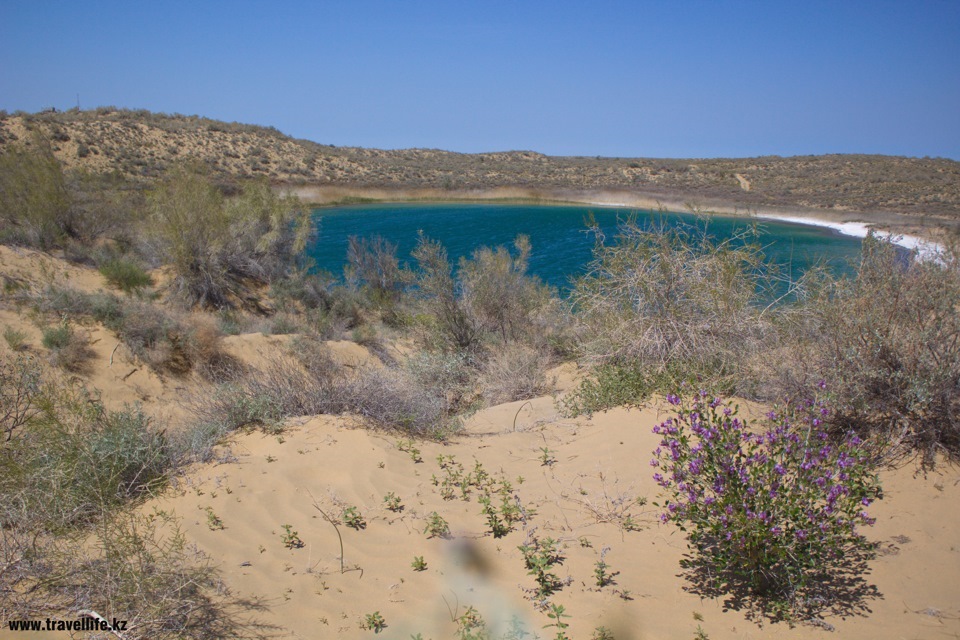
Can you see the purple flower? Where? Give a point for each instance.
(672, 399)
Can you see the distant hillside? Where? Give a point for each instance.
(141, 145)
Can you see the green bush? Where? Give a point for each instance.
(125, 274)
(34, 202)
(57, 337)
(213, 245)
(490, 299)
(72, 459)
(67, 349)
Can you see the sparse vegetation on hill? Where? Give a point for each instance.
(141, 145)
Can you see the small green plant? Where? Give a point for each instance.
(546, 457)
(213, 520)
(436, 527)
(58, 337)
(418, 564)
(290, 538)
(374, 622)
(600, 569)
(602, 633)
(499, 527)
(352, 518)
(16, 340)
(408, 446)
(471, 626)
(700, 634)
(392, 501)
(557, 614)
(540, 557)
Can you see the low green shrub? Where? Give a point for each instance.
(125, 274)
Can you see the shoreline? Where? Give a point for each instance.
(914, 233)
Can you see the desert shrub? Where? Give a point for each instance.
(392, 400)
(68, 350)
(628, 384)
(452, 327)
(163, 340)
(450, 376)
(34, 202)
(312, 290)
(20, 389)
(499, 294)
(213, 245)
(373, 262)
(772, 513)
(71, 459)
(283, 324)
(125, 274)
(887, 340)
(57, 337)
(606, 386)
(286, 387)
(105, 206)
(664, 298)
(514, 372)
(130, 567)
(490, 299)
(191, 228)
(142, 569)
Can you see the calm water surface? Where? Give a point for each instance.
(561, 246)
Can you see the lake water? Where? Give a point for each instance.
(561, 246)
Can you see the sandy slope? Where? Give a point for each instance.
(600, 471)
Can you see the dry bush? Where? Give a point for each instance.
(887, 342)
(313, 384)
(491, 298)
(669, 300)
(165, 341)
(130, 567)
(499, 294)
(20, 389)
(373, 262)
(514, 372)
(450, 376)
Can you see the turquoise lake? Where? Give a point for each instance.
(561, 246)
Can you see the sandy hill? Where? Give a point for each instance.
(141, 145)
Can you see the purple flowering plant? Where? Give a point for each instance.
(773, 509)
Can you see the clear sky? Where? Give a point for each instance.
(671, 78)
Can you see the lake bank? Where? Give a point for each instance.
(925, 233)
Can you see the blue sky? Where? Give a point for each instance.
(651, 79)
